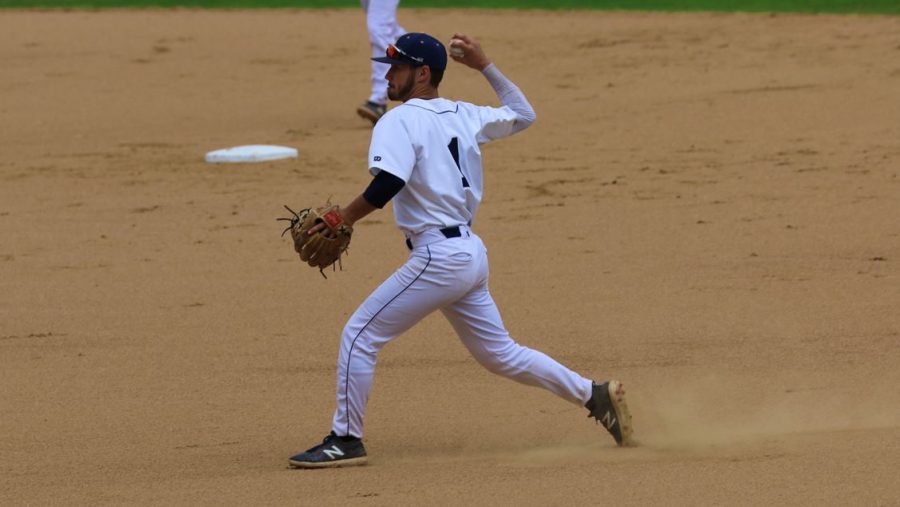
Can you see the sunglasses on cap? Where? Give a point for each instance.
(395, 53)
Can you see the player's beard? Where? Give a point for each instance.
(403, 93)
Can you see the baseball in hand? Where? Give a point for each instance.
(456, 50)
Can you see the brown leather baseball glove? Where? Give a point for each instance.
(323, 248)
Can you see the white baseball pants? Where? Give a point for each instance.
(450, 275)
(381, 23)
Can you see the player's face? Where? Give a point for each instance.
(401, 80)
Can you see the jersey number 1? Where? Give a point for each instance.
(454, 150)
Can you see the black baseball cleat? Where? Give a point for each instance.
(333, 452)
(607, 405)
(371, 111)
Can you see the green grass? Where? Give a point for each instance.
(806, 6)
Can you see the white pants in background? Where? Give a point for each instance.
(450, 275)
(381, 23)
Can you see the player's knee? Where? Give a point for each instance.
(348, 332)
(353, 339)
(379, 34)
(491, 364)
(362, 341)
(501, 363)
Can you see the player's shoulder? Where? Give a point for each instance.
(418, 107)
(414, 113)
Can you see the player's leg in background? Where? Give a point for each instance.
(419, 287)
(383, 29)
(477, 321)
(381, 23)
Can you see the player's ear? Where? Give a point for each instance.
(424, 74)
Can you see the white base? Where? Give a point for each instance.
(250, 153)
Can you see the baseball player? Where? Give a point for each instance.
(425, 156)
(381, 23)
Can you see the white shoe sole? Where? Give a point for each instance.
(352, 462)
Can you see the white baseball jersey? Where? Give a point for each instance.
(429, 145)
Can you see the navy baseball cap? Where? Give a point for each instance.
(416, 49)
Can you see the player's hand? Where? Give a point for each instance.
(322, 228)
(316, 228)
(467, 51)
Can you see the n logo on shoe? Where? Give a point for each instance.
(334, 452)
(608, 420)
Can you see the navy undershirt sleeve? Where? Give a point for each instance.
(383, 188)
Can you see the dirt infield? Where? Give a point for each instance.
(708, 208)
